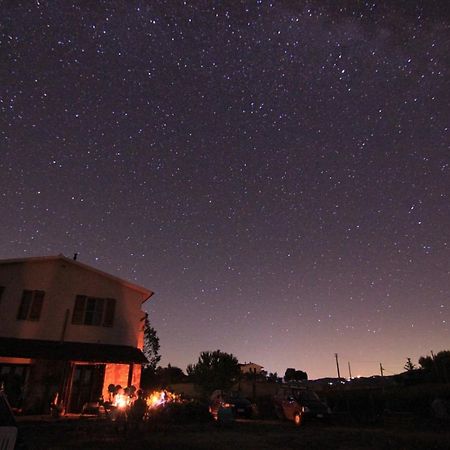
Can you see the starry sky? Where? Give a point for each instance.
(277, 172)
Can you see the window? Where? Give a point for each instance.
(12, 377)
(93, 311)
(2, 289)
(31, 305)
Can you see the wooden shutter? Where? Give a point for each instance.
(108, 319)
(78, 310)
(36, 305)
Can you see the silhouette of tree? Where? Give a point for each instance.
(151, 352)
(273, 377)
(294, 375)
(438, 365)
(289, 375)
(151, 345)
(409, 365)
(426, 362)
(168, 375)
(214, 370)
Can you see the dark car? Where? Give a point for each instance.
(240, 406)
(298, 404)
(233, 401)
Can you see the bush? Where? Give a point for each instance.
(416, 399)
(362, 405)
(368, 405)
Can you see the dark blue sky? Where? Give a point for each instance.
(277, 172)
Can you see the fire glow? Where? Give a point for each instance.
(121, 401)
(161, 398)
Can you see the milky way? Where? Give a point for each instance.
(277, 172)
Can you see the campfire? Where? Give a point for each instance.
(161, 398)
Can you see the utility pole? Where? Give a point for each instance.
(382, 378)
(337, 365)
(349, 370)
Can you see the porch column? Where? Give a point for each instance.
(130, 374)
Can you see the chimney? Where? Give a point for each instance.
(75, 256)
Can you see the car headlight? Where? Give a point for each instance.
(305, 409)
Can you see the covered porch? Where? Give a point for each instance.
(37, 373)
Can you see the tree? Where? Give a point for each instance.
(151, 352)
(426, 363)
(214, 370)
(300, 375)
(168, 375)
(409, 365)
(151, 345)
(294, 375)
(289, 375)
(438, 365)
(273, 378)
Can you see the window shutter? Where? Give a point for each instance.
(24, 305)
(36, 305)
(109, 312)
(78, 310)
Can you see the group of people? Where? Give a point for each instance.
(127, 410)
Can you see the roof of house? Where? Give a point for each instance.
(251, 364)
(70, 351)
(121, 281)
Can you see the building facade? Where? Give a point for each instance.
(67, 329)
(251, 368)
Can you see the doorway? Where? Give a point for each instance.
(87, 384)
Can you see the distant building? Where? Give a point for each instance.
(69, 329)
(251, 368)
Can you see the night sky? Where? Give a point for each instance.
(277, 172)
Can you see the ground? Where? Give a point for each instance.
(89, 433)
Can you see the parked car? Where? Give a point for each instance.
(298, 404)
(238, 405)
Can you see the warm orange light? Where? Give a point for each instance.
(158, 398)
(121, 401)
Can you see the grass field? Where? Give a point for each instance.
(251, 435)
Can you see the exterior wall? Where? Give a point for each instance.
(136, 380)
(118, 374)
(62, 281)
(251, 368)
(186, 389)
(256, 389)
